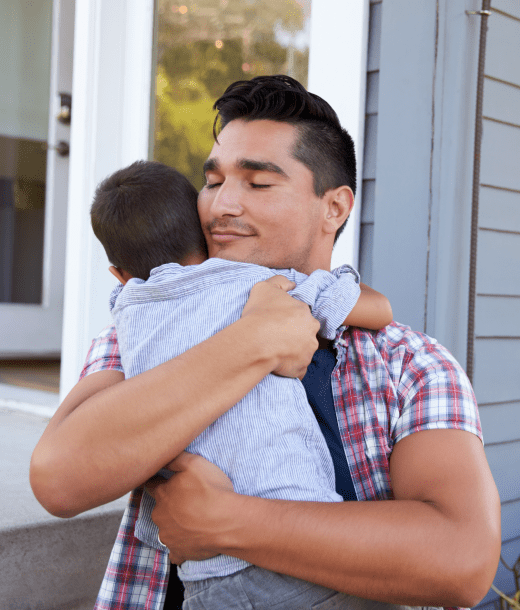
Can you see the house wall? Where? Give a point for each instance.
(368, 184)
(497, 324)
(416, 212)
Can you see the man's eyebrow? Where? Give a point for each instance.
(210, 165)
(261, 166)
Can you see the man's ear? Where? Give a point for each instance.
(122, 275)
(340, 202)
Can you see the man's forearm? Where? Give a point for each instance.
(436, 544)
(119, 437)
(110, 435)
(400, 552)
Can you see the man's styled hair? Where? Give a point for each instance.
(323, 145)
(145, 215)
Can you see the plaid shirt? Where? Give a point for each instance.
(387, 385)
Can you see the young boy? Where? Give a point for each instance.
(172, 297)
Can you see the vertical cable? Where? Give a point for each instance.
(484, 14)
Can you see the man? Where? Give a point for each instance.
(280, 185)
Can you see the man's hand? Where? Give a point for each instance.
(190, 507)
(286, 323)
(101, 443)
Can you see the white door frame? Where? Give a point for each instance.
(110, 128)
(338, 74)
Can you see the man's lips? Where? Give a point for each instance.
(225, 236)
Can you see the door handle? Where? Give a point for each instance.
(65, 113)
(62, 148)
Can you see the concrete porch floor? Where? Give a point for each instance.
(46, 563)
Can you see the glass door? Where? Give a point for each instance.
(36, 75)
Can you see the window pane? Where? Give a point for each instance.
(205, 45)
(25, 42)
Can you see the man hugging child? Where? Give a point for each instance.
(172, 297)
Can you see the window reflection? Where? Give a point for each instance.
(205, 45)
(25, 48)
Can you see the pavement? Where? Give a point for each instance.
(46, 563)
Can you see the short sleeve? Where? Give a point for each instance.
(435, 393)
(103, 354)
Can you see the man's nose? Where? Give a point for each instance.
(227, 200)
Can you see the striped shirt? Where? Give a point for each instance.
(386, 385)
(269, 444)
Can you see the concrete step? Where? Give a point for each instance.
(46, 563)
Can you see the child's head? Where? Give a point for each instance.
(145, 215)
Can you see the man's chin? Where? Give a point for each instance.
(256, 258)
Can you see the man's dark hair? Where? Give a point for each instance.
(323, 145)
(145, 215)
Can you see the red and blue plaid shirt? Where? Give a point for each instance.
(387, 385)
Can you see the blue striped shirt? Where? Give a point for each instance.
(269, 444)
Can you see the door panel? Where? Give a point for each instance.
(36, 48)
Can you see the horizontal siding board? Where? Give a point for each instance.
(511, 520)
(368, 201)
(503, 48)
(504, 461)
(500, 423)
(504, 579)
(370, 146)
(373, 92)
(487, 606)
(374, 37)
(497, 316)
(501, 101)
(496, 376)
(511, 7)
(500, 161)
(499, 209)
(366, 249)
(497, 263)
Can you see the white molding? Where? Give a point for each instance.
(111, 93)
(337, 73)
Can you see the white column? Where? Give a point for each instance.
(337, 73)
(110, 129)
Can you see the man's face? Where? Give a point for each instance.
(258, 205)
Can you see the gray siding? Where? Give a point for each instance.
(497, 324)
(368, 185)
(421, 131)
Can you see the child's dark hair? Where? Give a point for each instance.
(145, 215)
(323, 145)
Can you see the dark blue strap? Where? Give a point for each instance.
(318, 385)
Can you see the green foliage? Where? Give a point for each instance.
(184, 124)
(200, 52)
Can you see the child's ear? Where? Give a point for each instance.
(122, 275)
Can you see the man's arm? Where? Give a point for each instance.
(436, 544)
(108, 437)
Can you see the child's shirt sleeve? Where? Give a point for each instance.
(330, 295)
